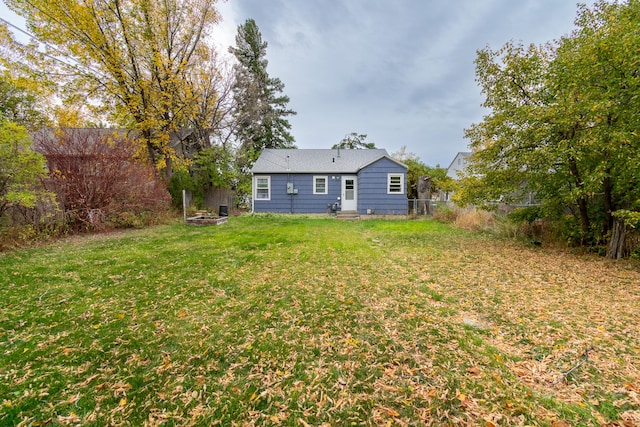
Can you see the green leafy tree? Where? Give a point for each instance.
(354, 141)
(610, 34)
(181, 180)
(211, 170)
(440, 180)
(416, 169)
(261, 108)
(19, 106)
(26, 92)
(214, 168)
(512, 138)
(20, 168)
(563, 122)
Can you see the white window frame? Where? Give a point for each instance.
(390, 176)
(255, 196)
(326, 184)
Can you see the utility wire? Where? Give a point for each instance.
(49, 46)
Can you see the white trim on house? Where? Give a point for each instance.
(325, 187)
(349, 193)
(395, 183)
(266, 195)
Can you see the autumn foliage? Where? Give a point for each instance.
(98, 180)
(562, 128)
(282, 320)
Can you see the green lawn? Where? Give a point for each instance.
(312, 321)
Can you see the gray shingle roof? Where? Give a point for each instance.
(316, 160)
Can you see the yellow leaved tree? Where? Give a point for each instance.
(131, 61)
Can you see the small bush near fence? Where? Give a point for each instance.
(509, 226)
(465, 218)
(525, 223)
(475, 219)
(446, 213)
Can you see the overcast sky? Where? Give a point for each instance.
(400, 71)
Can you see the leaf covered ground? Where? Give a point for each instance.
(311, 321)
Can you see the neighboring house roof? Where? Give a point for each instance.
(176, 139)
(90, 134)
(273, 160)
(459, 163)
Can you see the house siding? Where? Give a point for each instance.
(299, 167)
(459, 164)
(372, 189)
(303, 202)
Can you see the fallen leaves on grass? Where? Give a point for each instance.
(306, 323)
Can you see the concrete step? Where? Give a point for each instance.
(347, 215)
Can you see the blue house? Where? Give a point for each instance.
(321, 180)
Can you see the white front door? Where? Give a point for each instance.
(349, 193)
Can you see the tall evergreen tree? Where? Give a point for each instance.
(261, 107)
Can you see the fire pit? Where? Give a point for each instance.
(205, 218)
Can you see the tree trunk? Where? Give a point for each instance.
(608, 203)
(424, 195)
(584, 220)
(617, 245)
(582, 201)
(607, 183)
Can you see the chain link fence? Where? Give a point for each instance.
(419, 207)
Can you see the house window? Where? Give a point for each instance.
(395, 183)
(263, 188)
(320, 185)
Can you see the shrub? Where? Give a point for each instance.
(474, 219)
(527, 214)
(20, 169)
(445, 213)
(182, 180)
(506, 227)
(98, 179)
